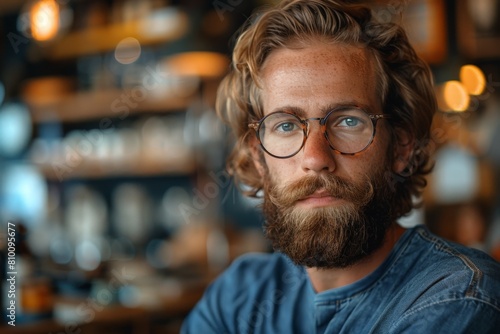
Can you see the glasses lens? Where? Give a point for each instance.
(349, 130)
(281, 134)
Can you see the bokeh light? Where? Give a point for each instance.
(44, 20)
(128, 51)
(473, 79)
(452, 96)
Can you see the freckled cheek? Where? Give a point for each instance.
(282, 169)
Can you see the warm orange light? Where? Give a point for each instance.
(200, 64)
(44, 20)
(452, 96)
(473, 79)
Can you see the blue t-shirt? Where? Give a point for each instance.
(426, 285)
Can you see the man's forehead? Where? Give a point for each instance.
(321, 74)
(319, 53)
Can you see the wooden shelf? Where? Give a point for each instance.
(114, 318)
(154, 29)
(97, 105)
(91, 169)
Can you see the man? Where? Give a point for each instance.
(332, 113)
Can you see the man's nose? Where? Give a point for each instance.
(317, 156)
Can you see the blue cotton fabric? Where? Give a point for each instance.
(426, 285)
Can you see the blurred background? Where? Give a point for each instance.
(112, 158)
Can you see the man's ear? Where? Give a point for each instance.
(403, 151)
(256, 152)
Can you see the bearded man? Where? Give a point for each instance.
(332, 113)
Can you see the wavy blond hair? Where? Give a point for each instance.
(404, 81)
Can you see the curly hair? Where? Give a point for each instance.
(404, 82)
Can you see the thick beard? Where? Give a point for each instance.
(328, 237)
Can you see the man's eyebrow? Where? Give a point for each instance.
(324, 110)
(294, 110)
(346, 104)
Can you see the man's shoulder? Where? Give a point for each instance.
(433, 282)
(449, 255)
(455, 271)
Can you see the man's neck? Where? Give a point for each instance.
(325, 279)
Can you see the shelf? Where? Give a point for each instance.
(113, 317)
(92, 169)
(161, 26)
(97, 105)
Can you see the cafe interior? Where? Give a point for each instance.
(113, 162)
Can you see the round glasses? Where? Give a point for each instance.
(348, 130)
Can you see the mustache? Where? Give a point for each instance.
(288, 194)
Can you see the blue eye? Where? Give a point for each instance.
(286, 127)
(349, 121)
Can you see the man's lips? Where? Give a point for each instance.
(319, 198)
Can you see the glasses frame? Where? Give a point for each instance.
(322, 122)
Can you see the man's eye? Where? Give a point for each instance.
(349, 122)
(286, 127)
